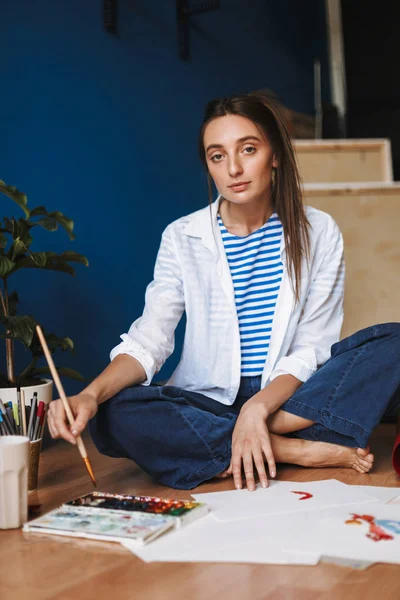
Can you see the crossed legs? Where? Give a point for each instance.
(310, 453)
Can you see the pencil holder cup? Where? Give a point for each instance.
(33, 469)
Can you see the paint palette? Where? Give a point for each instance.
(147, 504)
(118, 517)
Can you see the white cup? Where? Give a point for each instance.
(14, 462)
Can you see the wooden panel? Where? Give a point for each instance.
(370, 223)
(344, 160)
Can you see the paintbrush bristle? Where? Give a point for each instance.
(90, 471)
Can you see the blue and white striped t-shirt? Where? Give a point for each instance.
(256, 270)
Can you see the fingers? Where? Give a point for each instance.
(259, 463)
(237, 470)
(270, 458)
(81, 421)
(248, 459)
(53, 431)
(252, 458)
(57, 422)
(249, 470)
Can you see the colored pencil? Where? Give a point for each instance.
(16, 418)
(64, 399)
(23, 412)
(32, 416)
(11, 419)
(3, 430)
(38, 421)
(6, 417)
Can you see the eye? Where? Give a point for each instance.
(249, 150)
(216, 158)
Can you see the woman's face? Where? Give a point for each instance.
(239, 159)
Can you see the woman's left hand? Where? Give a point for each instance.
(250, 444)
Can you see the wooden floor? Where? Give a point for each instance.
(42, 567)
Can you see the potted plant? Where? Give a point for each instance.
(16, 254)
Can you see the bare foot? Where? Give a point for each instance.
(330, 455)
(320, 454)
(316, 454)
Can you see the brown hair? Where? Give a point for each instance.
(265, 111)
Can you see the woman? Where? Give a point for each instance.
(262, 377)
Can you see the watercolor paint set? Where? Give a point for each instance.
(118, 517)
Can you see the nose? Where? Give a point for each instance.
(234, 166)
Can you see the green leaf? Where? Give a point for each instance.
(19, 230)
(23, 262)
(50, 221)
(20, 327)
(47, 223)
(64, 221)
(16, 195)
(69, 256)
(6, 266)
(22, 231)
(39, 210)
(39, 258)
(17, 248)
(53, 342)
(50, 261)
(62, 371)
(3, 240)
(61, 267)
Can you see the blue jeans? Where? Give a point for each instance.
(183, 438)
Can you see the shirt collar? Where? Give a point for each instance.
(204, 224)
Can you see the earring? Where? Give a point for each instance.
(273, 176)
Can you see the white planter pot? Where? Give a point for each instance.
(44, 393)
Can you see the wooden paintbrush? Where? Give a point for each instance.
(67, 408)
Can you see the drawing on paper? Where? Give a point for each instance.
(378, 529)
(305, 495)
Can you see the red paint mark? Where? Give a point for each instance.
(375, 533)
(306, 495)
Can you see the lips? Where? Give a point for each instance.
(240, 186)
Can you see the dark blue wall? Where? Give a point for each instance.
(104, 129)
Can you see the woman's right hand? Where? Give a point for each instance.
(83, 406)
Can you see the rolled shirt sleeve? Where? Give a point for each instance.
(151, 338)
(322, 316)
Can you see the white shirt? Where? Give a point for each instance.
(192, 274)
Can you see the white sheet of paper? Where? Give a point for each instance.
(383, 494)
(360, 541)
(280, 498)
(250, 541)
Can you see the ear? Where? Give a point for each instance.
(274, 162)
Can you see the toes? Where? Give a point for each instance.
(364, 463)
(363, 452)
(362, 466)
(358, 468)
